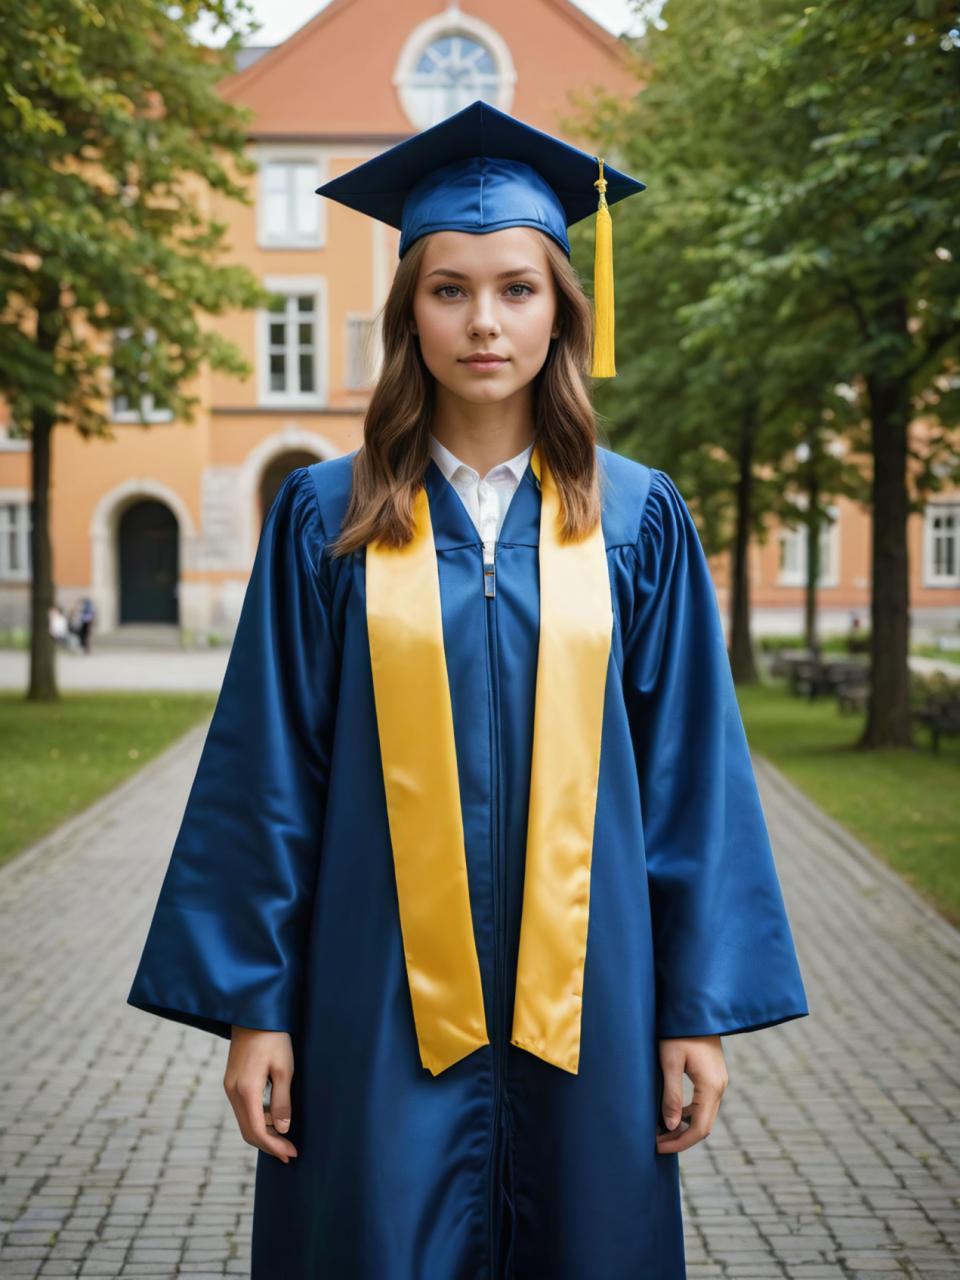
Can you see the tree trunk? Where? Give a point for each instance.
(43, 674)
(813, 558)
(742, 661)
(888, 711)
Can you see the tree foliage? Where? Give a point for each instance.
(117, 146)
(115, 142)
(792, 273)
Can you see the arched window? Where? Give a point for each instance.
(447, 63)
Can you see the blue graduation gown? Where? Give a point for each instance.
(279, 907)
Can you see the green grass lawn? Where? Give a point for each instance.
(903, 804)
(933, 651)
(57, 758)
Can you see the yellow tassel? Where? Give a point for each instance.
(603, 344)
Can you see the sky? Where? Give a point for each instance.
(280, 18)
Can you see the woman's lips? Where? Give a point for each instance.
(480, 363)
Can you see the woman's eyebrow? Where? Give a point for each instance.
(460, 275)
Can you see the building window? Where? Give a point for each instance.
(122, 407)
(448, 62)
(290, 214)
(13, 439)
(450, 73)
(363, 353)
(290, 363)
(941, 558)
(15, 539)
(792, 570)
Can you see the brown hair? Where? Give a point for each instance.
(390, 466)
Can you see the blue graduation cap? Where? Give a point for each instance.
(480, 170)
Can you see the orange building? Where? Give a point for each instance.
(160, 524)
(778, 568)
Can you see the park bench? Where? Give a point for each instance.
(941, 715)
(779, 664)
(815, 676)
(853, 688)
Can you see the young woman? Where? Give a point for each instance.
(478, 714)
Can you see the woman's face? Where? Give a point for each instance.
(490, 293)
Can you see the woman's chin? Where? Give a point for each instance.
(482, 388)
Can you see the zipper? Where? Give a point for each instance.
(499, 970)
(490, 580)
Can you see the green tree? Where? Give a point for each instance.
(805, 238)
(866, 228)
(115, 139)
(704, 391)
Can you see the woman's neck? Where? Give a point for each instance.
(483, 435)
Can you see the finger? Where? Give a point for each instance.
(700, 1113)
(683, 1136)
(715, 1111)
(708, 1087)
(672, 1064)
(253, 1124)
(279, 1111)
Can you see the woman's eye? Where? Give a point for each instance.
(517, 290)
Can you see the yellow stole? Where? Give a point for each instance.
(418, 753)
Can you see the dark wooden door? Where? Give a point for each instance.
(149, 563)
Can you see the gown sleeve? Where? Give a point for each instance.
(723, 950)
(229, 932)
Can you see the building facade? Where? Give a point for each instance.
(159, 524)
(778, 568)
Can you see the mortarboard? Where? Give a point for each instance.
(481, 170)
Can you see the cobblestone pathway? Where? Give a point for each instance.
(836, 1151)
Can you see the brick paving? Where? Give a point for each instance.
(835, 1154)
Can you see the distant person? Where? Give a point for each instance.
(74, 625)
(88, 615)
(855, 634)
(58, 625)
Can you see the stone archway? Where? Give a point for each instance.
(274, 472)
(264, 469)
(108, 526)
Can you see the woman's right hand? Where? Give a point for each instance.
(254, 1057)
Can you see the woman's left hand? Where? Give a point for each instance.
(701, 1057)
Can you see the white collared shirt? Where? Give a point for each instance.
(487, 498)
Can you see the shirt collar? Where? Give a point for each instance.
(449, 463)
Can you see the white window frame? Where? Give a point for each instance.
(294, 153)
(931, 511)
(316, 286)
(18, 498)
(147, 412)
(451, 23)
(829, 553)
(374, 350)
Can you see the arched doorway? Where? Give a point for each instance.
(149, 562)
(275, 471)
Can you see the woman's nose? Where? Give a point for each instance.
(484, 319)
